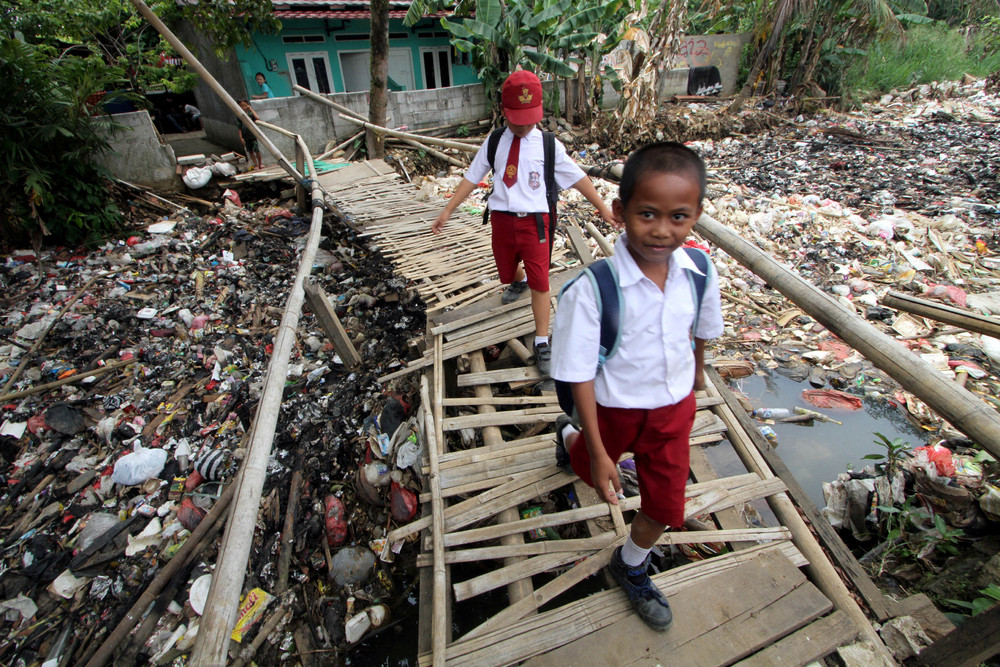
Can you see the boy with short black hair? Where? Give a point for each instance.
(519, 207)
(642, 399)
(248, 138)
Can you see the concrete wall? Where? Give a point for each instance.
(723, 51)
(138, 155)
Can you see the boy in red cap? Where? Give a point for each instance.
(519, 209)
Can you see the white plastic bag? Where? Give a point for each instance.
(223, 169)
(140, 465)
(197, 177)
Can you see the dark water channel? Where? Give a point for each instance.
(818, 453)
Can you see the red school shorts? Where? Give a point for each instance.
(659, 439)
(516, 240)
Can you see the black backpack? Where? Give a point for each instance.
(549, 157)
(608, 293)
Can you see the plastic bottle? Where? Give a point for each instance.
(771, 413)
(771, 436)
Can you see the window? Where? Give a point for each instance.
(311, 71)
(436, 62)
(303, 39)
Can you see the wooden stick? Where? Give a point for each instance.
(278, 616)
(294, 491)
(27, 356)
(67, 380)
(331, 325)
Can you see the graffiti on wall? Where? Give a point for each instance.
(699, 51)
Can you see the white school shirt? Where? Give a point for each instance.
(528, 193)
(654, 364)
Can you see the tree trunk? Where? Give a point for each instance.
(378, 94)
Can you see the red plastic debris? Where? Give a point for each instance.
(403, 503)
(831, 398)
(189, 514)
(193, 481)
(132, 240)
(336, 521)
(941, 458)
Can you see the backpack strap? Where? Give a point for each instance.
(698, 281)
(607, 292)
(551, 191)
(491, 156)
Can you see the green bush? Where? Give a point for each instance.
(49, 183)
(928, 53)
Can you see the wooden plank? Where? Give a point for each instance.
(818, 639)
(715, 623)
(498, 376)
(503, 418)
(331, 325)
(519, 640)
(976, 640)
(579, 244)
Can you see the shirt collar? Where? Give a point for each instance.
(629, 272)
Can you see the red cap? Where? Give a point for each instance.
(521, 97)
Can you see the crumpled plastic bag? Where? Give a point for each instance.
(197, 177)
(223, 169)
(939, 456)
(831, 398)
(140, 465)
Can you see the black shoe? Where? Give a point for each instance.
(543, 358)
(647, 600)
(562, 453)
(514, 291)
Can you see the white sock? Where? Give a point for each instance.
(567, 431)
(540, 340)
(523, 280)
(632, 554)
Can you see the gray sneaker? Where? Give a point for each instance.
(647, 600)
(543, 358)
(514, 292)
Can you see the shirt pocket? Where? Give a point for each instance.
(534, 174)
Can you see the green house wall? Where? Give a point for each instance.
(273, 49)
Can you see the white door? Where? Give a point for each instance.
(354, 68)
(311, 71)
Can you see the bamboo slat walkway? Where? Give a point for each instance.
(769, 595)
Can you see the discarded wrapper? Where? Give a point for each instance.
(251, 610)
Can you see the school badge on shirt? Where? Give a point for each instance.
(534, 180)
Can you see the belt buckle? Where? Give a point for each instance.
(522, 215)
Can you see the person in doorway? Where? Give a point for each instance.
(193, 114)
(265, 90)
(519, 204)
(641, 399)
(248, 138)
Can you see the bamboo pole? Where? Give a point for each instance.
(439, 629)
(216, 87)
(960, 407)
(76, 377)
(938, 311)
(227, 581)
(433, 141)
(340, 146)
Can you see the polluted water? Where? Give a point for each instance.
(819, 452)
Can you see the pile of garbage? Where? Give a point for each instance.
(131, 377)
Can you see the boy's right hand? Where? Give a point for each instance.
(438, 223)
(604, 475)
